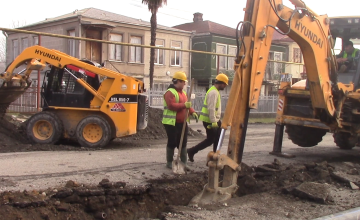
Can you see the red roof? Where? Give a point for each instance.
(208, 27)
(281, 38)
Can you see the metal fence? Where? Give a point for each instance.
(267, 104)
(27, 102)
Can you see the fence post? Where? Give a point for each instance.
(38, 97)
(273, 104)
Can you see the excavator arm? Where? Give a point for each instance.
(262, 18)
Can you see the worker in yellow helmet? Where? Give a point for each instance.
(210, 115)
(175, 105)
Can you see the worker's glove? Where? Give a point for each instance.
(213, 125)
(195, 116)
(187, 104)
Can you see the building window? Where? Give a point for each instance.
(15, 45)
(115, 51)
(231, 60)
(71, 43)
(221, 49)
(135, 52)
(175, 55)
(159, 54)
(297, 56)
(24, 44)
(35, 40)
(274, 69)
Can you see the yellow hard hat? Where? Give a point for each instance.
(222, 78)
(180, 75)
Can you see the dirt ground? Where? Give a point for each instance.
(268, 189)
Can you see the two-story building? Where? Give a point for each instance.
(211, 37)
(283, 48)
(98, 24)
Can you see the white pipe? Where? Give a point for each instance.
(345, 215)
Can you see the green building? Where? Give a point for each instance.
(213, 37)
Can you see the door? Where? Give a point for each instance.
(93, 49)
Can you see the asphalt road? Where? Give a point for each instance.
(122, 162)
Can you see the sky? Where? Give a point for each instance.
(226, 12)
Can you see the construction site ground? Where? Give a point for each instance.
(128, 178)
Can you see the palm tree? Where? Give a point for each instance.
(153, 6)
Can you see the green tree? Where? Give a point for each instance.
(153, 6)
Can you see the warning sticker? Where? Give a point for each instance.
(118, 107)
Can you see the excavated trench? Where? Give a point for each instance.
(108, 200)
(117, 200)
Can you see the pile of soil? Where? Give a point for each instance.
(11, 132)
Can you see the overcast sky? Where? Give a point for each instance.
(226, 12)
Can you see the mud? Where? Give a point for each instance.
(108, 200)
(167, 197)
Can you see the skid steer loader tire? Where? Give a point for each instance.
(305, 136)
(44, 128)
(345, 140)
(93, 132)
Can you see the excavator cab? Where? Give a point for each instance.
(345, 29)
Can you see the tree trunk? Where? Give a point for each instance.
(152, 50)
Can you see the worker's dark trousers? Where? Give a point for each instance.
(174, 135)
(212, 138)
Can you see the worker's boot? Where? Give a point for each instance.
(191, 154)
(169, 157)
(183, 158)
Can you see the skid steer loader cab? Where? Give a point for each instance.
(61, 89)
(296, 111)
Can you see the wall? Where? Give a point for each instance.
(293, 69)
(141, 70)
(61, 44)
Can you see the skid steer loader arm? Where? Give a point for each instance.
(12, 85)
(262, 18)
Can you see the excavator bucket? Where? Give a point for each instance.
(11, 91)
(12, 86)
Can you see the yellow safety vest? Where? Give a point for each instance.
(204, 115)
(169, 116)
(352, 55)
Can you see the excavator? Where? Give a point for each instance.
(81, 100)
(329, 102)
(295, 110)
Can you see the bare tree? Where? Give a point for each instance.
(16, 24)
(2, 49)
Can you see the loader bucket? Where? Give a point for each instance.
(10, 92)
